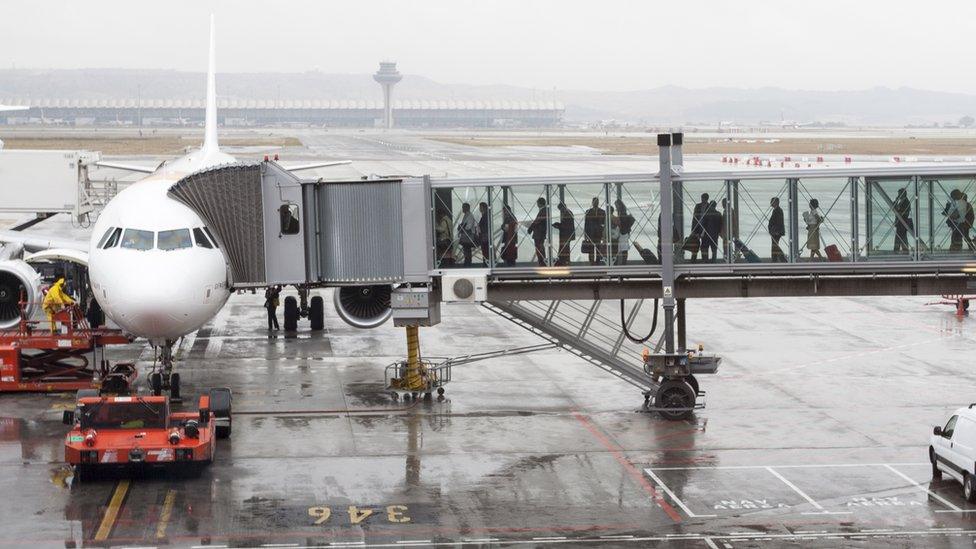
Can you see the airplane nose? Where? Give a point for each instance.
(155, 303)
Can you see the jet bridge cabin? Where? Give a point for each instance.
(363, 235)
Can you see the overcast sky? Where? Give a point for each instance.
(566, 44)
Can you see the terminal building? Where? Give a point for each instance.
(327, 113)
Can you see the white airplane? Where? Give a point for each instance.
(10, 108)
(154, 268)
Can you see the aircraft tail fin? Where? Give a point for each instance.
(210, 127)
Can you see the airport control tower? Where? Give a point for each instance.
(387, 76)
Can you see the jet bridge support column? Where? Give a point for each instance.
(678, 392)
(664, 141)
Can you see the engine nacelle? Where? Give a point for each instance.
(16, 278)
(363, 306)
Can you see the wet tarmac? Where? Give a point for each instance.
(814, 434)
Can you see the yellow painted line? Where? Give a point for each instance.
(112, 513)
(165, 514)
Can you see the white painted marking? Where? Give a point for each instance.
(935, 496)
(795, 489)
(413, 541)
(279, 545)
(710, 543)
(674, 498)
(550, 538)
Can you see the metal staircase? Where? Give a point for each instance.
(586, 329)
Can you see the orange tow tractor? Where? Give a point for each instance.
(141, 431)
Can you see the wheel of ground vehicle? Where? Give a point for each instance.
(316, 313)
(394, 395)
(968, 488)
(440, 391)
(220, 406)
(291, 314)
(156, 383)
(675, 400)
(174, 386)
(83, 473)
(693, 381)
(936, 472)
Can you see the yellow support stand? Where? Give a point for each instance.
(416, 376)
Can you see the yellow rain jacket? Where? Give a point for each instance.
(55, 300)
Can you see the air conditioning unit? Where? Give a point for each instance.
(469, 287)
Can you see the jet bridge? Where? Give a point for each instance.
(399, 246)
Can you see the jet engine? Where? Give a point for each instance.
(16, 278)
(363, 306)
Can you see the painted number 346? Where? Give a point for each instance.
(396, 514)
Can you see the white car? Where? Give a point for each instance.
(952, 450)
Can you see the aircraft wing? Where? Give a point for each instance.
(7, 108)
(126, 167)
(314, 165)
(37, 243)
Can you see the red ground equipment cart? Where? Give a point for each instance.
(141, 430)
(33, 358)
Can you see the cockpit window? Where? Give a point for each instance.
(212, 239)
(136, 239)
(105, 236)
(175, 239)
(113, 239)
(201, 239)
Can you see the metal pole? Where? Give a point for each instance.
(667, 246)
(682, 332)
(916, 251)
(794, 219)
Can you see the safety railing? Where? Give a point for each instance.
(818, 218)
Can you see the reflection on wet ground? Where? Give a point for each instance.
(814, 435)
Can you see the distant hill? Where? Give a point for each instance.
(663, 105)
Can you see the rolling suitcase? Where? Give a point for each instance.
(833, 254)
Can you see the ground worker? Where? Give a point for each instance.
(55, 300)
(271, 296)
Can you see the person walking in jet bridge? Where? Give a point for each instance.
(967, 224)
(903, 221)
(813, 220)
(467, 231)
(696, 242)
(955, 214)
(271, 297)
(539, 229)
(712, 226)
(594, 232)
(445, 239)
(625, 223)
(777, 230)
(55, 300)
(567, 233)
(509, 244)
(484, 232)
(730, 220)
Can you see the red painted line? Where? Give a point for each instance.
(634, 472)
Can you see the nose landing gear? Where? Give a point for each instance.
(162, 377)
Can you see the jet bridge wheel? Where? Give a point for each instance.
(316, 313)
(675, 400)
(291, 314)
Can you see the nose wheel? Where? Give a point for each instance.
(163, 378)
